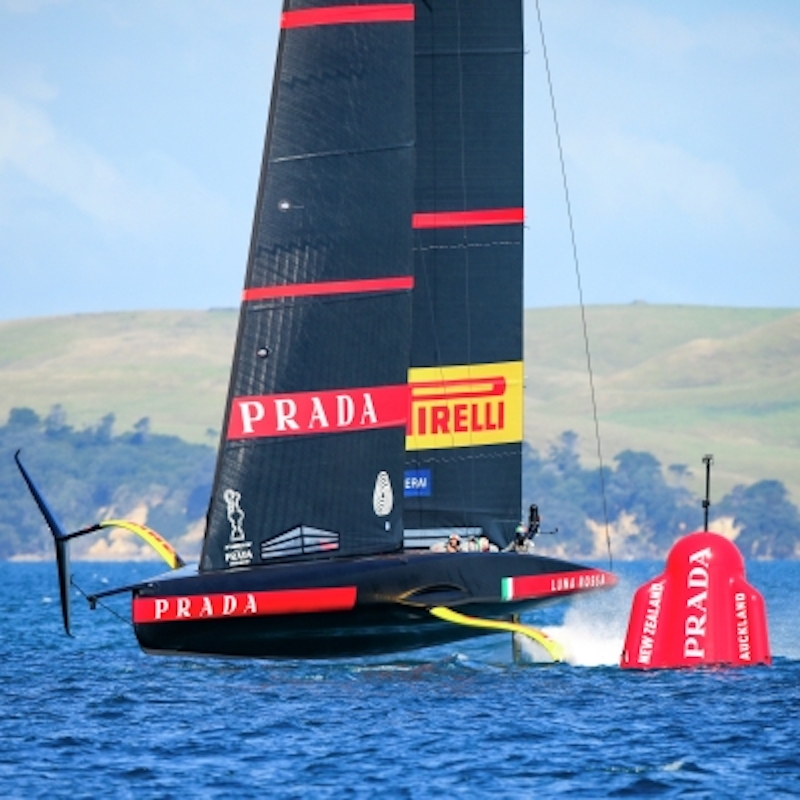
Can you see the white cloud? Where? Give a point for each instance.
(625, 174)
(27, 6)
(652, 35)
(640, 28)
(30, 144)
(676, 116)
(159, 194)
(745, 35)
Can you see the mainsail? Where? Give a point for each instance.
(312, 455)
(322, 405)
(465, 424)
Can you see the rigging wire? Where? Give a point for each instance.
(94, 601)
(580, 285)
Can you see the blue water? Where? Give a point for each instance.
(94, 717)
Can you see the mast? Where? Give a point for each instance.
(465, 426)
(312, 452)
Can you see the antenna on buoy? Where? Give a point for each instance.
(708, 460)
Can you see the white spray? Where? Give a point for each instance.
(592, 633)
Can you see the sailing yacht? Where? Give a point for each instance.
(376, 392)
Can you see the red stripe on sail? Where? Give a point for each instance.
(187, 608)
(314, 413)
(463, 219)
(347, 15)
(405, 282)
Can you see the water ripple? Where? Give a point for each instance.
(94, 717)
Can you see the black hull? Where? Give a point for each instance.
(346, 608)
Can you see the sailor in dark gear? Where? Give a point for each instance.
(524, 534)
(522, 542)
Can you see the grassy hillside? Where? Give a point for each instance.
(170, 366)
(678, 381)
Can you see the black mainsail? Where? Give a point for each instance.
(312, 456)
(465, 425)
(377, 377)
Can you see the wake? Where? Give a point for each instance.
(593, 631)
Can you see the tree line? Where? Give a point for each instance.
(635, 486)
(93, 473)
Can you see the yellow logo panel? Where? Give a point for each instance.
(465, 406)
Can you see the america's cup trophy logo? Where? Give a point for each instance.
(239, 551)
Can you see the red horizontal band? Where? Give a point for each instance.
(326, 411)
(177, 608)
(346, 15)
(404, 282)
(463, 219)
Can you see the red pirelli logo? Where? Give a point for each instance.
(465, 406)
(304, 413)
(177, 608)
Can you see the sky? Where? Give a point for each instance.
(131, 136)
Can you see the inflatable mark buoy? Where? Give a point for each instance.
(700, 611)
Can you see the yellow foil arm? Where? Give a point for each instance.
(554, 649)
(157, 542)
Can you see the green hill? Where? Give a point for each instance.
(170, 366)
(677, 381)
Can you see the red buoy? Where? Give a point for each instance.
(699, 611)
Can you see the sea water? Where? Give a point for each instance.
(94, 717)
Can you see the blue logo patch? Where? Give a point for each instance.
(418, 483)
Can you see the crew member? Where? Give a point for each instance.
(523, 542)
